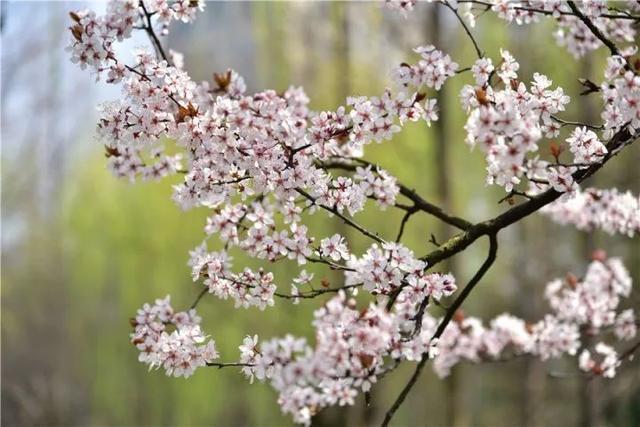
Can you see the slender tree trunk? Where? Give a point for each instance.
(532, 407)
(456, 413)
(589, 388)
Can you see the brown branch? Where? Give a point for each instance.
(221, 365)
(417, 318)
(620, 15)
(346, 220)
(317, 292)
(629, 352)
(331, 264)
(152, 35)
(410, 211)
(412, 195)
(434, 210)
(462, 240)
(571, 123)
(491, 257)
(466, 29)
(198, 298)
(405, 391)
(594, 30)
(491, 228)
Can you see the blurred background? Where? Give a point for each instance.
(81, 251)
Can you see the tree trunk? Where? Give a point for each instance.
(456, 413)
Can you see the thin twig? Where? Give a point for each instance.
(629, 352)
(570, 123)
(198, 298)
(417, 327)
(621, 15)
(346, 220)
(491, 257)
(152, 35)
(466, 29)
(317, 292)
(405, 391)
(221, 365)
(404, 221)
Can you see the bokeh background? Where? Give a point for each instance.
(81, 251)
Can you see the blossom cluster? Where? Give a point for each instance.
(353, 349)
(507, 124)
(266, 143)
(590, 306)
(95, 36)
(359, 342)
(347, 357)
(604, 209)
(171, 340)
(247, 288)
(621, 96)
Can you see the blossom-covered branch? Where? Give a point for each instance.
(262, 164)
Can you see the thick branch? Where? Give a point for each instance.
(461, 241)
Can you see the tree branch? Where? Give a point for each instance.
(405, 391)
(466, 29)
(412, 195)
(346, 220)
(491, 257)
(491, 228)
(594, 30)
(221, 365)
(410, 211)
(462, 240)
(152, 35)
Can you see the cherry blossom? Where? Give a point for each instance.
(263, 163)
(608, 210)
(334, 248)
(607, 365)
(178, 352)
(585, 146)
